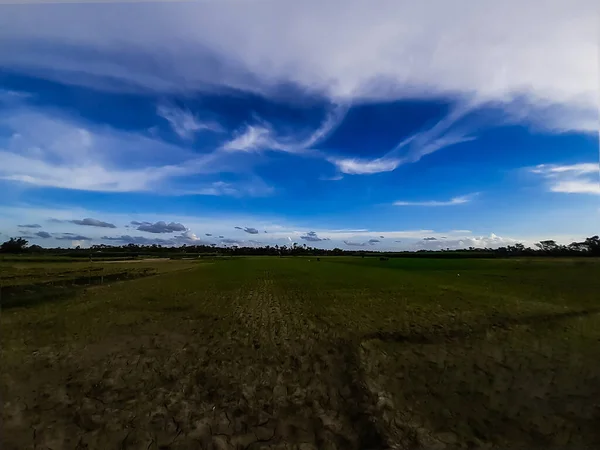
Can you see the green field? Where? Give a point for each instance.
(295, 353)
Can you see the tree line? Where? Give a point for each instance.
(589, 247)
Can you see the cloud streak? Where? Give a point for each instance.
(582, 178)
(461, 200)
(184, 123)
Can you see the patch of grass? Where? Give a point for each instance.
(345, 352)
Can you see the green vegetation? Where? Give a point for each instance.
(269, 352)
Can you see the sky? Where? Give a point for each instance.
(406, 126)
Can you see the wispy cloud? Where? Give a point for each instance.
(33, 225)
(582, 178)
(355, 166)
(262, 136)
(363, 54)
(184, 122)
(411, 149)
(453, 201)
(50, 149)
(43, 234)
(254, 187)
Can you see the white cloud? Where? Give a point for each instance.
(444, 133)
(490, 241)
(583, 178)
(578, 169)
(184, 122)
(46, 148)
(261, 136)
(577, 187)
(255, 187)
(453, 201)
(355, 166)
(253, 138)
(544, 52)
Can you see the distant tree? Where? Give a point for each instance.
(593, 245)
(14, 245)
(547, 246)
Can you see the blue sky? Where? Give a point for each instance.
(331, 123)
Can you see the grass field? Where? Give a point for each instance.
(294, 353)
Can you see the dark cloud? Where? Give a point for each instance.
(397, 241)
(238, 228)
(138, 240)
(208, 234)
(374, 241)
(93, 223)
(184, 238)
(430, 239)
(355, 244)
(52, 220)
(251, 230)
(230, 241)
(221, 237)
(159, 227)
(33, 225)
(382, 237)
(43, 234)
(312, 236)
(265, 231)
(72, 237)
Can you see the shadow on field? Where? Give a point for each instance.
(469, 332)
(28, 295)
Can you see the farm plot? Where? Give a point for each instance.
(289, 353)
